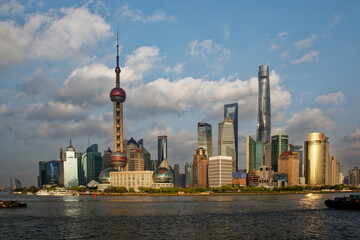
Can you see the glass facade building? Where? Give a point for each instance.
(263, 132)
(298, 150)
(188, 175)
(232, 110)
(162, 149)
(279, 144)
(226, 141)
(205, 138)
(91, 164)
(254, 154)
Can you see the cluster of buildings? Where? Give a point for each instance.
(270, 160)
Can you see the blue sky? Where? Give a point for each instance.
(181, 62)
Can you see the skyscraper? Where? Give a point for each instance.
(279, 144)
(135, 156)
(205, 138)
(91, 164)
(264, 107)
(117, 95)
(315, 158)
(254, 154)
(220, 171)
(200, 169)
(298, 149)
(288, 163)
(162, 149)
(188, 175)
(226, 140)
(70, 167)
(232, 110)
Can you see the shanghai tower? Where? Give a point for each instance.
(263, 133)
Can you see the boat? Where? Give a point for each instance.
(350, 203)
(62, 192)
(43, 192)
(11, 204)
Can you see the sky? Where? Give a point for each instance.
(181, 61)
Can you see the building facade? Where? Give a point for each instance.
(205, 138)
(188, 175)
(289, 164)
(354, 177)
(162, 149)
(131, 179)
(200, 169)
(91, 164)
(298, 150)
(263, 132)
(134, 154)
(220, 171)
(226, 140)
(70, 166)
(232, 110)
(315, 157)
(279, 144)
(254, 154)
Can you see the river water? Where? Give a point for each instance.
(285, 216)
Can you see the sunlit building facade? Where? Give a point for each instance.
(226, 141)
(289, 164)
(131, 179)
(200, 168)
(205, 138)
(70, 166)
(134, 153)
(298, 150)
(315, 156)
(220, 171)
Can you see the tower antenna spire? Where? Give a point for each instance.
(117, 69)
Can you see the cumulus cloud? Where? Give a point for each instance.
(53, 35)
(39, 83)
(11, 8)
(281, 34)
(51, 111)
(334, 98)
(138, 15)
(353, 136)
(92, 126)
(92, 84)
(195, 94)
(178, 68)
(209, 51)
(309, 57)
(300, 124)
(305, 43)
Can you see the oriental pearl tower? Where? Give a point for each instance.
(118, 158)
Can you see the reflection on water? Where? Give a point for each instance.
(282, 216)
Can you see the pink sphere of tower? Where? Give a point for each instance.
(118, 159)
(117, 95)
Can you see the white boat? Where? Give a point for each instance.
(43, 192)
(62, 192)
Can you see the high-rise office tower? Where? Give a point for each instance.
(177, 180)
(106, 158)
(134, 156)
(232, 110)
(279, 144)
(298, 149)
(205, 138)
(264, 107)
(146, 155)
(118, 96)
(254, 154)
(289, 164)
(315, 157)
(220, 171)
(226, 140)
(91, 164)
(162, 149)
(70, 167)
(200, 169)
(188, 175)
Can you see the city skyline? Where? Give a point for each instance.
(57, 69)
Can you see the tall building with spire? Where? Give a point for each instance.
(231, 109)
(118, 158)
(263, 133)
(226, 140)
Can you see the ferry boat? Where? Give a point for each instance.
(43, 192)
(350, 203)
(62, 192)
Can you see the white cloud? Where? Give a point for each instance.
(138, 15)
(300, 124)
(281, 34)
(209, 51)
(284, 54)
(273, 47)
(305, 43)
(11, 8)
(335, 20)
(178, 68)
(309, 57)
(335, 98)
(52, 111)
(353, 136)
(59, 35)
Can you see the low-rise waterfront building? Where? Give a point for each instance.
(131, 179)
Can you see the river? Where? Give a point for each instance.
(281, 216)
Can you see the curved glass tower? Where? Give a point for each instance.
(263, 133)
